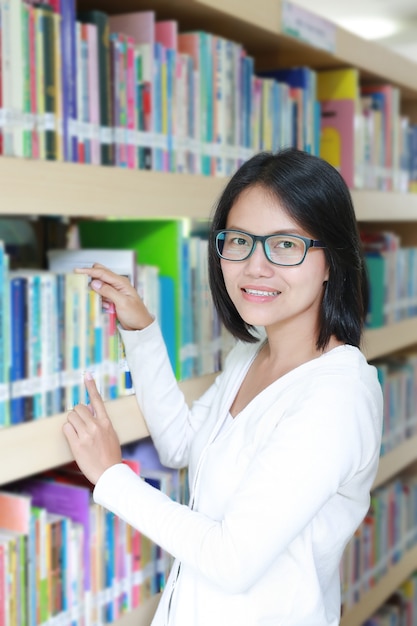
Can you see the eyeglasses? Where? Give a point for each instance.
(287, 250)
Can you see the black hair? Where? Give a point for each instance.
(316, 196)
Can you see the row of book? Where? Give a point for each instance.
(400, 609)
(398, 378)
(59, 329)
(392, 269)
(388, 531)
(133, 91)
(196, 340)
(65, 559)
(53, 329)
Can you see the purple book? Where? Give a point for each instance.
(69, 79)
(72, 501)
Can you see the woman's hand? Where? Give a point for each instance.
(91, 436)
(118, 292)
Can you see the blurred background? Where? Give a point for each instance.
(392, 22)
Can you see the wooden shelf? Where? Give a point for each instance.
(379, 342)
(143, 615)
(36, 446)
(396, 461)
(373, 599)
(383, 206)
(78, 190)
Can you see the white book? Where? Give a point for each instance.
(119, 261)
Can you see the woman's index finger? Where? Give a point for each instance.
(96, 401)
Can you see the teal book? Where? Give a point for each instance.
(376, 266)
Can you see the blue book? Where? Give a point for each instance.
(167, 316)
(300, 77)
(18, 306)
(186, 312)
(4, 339)
(69, 80)
(171, 60)
(109, 573)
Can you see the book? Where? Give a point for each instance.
(101, 20)
(140, 26)
(305, 79)
(18, 308)
(339, 97)
(146, 237)
(49, 74)
(69, 79)
(121, 261)
(386, 98)
(70, 501)
(5, 341)
(93, 91)
(337, 141)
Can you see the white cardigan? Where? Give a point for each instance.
(274, 498)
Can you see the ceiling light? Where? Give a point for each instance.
(370, 27)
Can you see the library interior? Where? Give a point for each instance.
(120, 124)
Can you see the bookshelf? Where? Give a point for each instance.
(75, 191)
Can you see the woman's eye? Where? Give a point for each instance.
(286, 244)
(239, 241)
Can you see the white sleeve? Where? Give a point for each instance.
(325, 441)
(171, 422)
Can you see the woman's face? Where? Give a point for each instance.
(266, 294)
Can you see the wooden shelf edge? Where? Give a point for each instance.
(396, 460)
(79, 190)
(379, 206)
(379, 342)
(143, 615)
(373, 599)
(33, 447)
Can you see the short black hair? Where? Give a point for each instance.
(316, 196)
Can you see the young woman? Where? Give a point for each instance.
(282, 450)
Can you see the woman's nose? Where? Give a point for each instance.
(258, 261)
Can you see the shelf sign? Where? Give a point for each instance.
(308, 27)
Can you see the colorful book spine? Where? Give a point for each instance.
(93, 91)
(101, 20)
(18, 343)
(69, 81)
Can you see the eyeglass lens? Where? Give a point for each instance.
(281, 249)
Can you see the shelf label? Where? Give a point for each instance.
(308, 27)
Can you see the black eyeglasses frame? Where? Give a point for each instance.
(308, 243)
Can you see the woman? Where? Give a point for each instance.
(283, 448)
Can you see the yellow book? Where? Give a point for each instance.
(338, 84)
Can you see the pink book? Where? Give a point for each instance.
(140, 25)
(189, 43)
(94, 106)
(166, 33)
(337, 136)
(15, 512)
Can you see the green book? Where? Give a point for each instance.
(101, 20)
(156, 242)
(50, 86)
